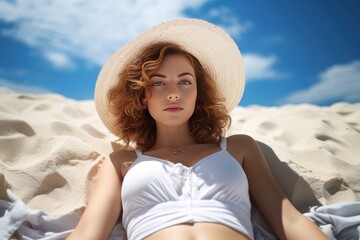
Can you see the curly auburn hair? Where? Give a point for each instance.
(127, 99)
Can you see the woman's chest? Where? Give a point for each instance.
(217, 175)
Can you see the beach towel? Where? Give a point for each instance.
(30, 224)
(338, 221)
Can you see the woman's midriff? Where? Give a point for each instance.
(198, 231)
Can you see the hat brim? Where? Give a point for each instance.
(211, 45)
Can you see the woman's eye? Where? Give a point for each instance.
(185, 82)
(157, 84)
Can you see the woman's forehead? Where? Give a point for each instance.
(176, 63)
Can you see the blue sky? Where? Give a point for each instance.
(300, 51)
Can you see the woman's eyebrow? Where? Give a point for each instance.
(163, 76)
(157, 75)
(185, 73)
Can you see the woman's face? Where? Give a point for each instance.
(171, 97)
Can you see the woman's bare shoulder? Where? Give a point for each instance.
(238, 145)
(123, 155)
(239, 137)
(239, 141)
(123, 159)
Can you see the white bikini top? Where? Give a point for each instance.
(157, 193)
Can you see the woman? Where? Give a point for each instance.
(168, 93)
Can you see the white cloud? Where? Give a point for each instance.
(336, 82)
(91, 30)
(10, 86)
(259, 67)
(59, 60)
(229, 22)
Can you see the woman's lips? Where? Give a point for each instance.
(173, 108)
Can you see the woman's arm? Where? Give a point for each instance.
(103, 210)
(283, 217)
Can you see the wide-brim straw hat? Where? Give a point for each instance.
(211, 45)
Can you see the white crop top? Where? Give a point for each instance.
(157, 193)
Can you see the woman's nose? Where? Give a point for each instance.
(173, 96)
(173, 92)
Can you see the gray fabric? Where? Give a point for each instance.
(35, 224)
(338, 221)
(261, 234)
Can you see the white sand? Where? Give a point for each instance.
(51, 147)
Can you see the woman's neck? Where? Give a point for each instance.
(173, 137)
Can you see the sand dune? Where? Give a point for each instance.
(321, 144)
(51, 148)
